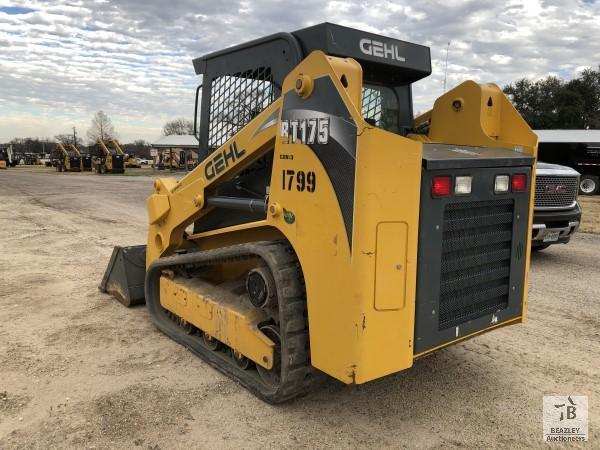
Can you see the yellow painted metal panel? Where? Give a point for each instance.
(158, 207)
(390, 266)
(388, 187)
(222, 315)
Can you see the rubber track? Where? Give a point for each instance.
(279, 256)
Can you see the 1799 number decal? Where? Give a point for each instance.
(299, 180)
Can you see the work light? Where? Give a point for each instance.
(462, 185)
(501, 184)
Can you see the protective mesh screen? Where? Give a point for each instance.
(235, 101)
(371, 105)
(380, 107)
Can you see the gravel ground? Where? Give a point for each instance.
(78, 370)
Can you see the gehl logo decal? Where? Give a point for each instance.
(222, 160)
(380, 50)
(305, 131)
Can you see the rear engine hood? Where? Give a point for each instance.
(445, 156)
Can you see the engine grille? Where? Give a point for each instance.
(555, 191)
(476, 255)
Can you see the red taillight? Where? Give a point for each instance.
(441, 186)
(519, 182)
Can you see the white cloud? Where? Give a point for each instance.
(62, 61)
(501, 59)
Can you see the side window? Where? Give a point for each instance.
(380, 107)
(235, 100)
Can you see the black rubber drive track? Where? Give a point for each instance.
(295, 354)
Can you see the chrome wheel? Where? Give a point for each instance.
(588, 186)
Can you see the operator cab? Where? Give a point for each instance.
(241, 81)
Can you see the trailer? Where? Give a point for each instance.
(578, 149)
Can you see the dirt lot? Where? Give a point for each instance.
(79, 370)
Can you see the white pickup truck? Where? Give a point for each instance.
(556, 213)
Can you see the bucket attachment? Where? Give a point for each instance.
(125, 275)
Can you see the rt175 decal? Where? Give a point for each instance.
(306, 131)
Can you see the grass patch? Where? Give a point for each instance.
(33, 169)
(590, 221)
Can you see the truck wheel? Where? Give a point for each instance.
(589, 185)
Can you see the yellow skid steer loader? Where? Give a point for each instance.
(86, 159)
(325, 227)
(66, 160)
(109, 157)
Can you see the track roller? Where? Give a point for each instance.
(210, 342)
(240, 360)
(261, 287)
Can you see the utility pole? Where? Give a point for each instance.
(446, 66)
(74, 137)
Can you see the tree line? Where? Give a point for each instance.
(552, 103)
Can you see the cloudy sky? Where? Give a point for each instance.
(60, 61)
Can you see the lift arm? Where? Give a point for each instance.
(75, 149)
(117, 146)
(176, 204)
(61, 148)
(104, 148)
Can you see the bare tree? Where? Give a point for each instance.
(101, 128)
(64, 139)
(178, 126)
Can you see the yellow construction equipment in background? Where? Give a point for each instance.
(6, 156)
(109, 158)
(326, 228)
(66, 160)
(86, 160)
(131, 161)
